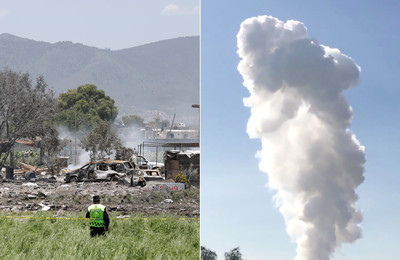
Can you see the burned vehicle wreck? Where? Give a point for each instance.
(106, 170)
(94, 171)
(143, 163)
(151, 175)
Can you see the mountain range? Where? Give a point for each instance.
(160, 77)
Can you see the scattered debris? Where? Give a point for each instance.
(20, 195)
(124, 216)
(29, 168)
(29, 175)
(169, 187)
(41, 195)
(30, 184)
(45, 208)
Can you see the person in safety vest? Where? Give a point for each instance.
(99, 219)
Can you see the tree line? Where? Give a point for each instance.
(29, 109)
(234, 254)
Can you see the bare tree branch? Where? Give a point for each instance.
(25, 110)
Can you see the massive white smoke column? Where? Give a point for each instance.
(313, 160)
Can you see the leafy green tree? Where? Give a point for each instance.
(234, 254)
(123, 153)
(102, 140)
(84, 107)
(207, 254)
(26, 110)
(133, 120)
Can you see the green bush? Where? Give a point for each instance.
(33, 159)
(181, 178)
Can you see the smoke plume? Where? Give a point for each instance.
(313, 160)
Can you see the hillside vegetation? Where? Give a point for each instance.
(160, 76)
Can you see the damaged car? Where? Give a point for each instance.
(126, 167)
(121, 166)
(151, 175)
(94, 171)
(143, 163)
(109, 170)
(138, 179)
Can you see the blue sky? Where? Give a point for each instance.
(100, 23)
(236, 206)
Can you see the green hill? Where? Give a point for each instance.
(160, 76)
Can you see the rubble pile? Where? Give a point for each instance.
(52, 193)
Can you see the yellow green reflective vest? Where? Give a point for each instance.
(96, 212)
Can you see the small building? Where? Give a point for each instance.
(187, 162)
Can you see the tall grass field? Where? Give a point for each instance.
(29, 235)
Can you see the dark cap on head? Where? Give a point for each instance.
(96, 198)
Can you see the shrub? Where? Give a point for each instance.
(181, 178)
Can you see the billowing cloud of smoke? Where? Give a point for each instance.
(313, 160)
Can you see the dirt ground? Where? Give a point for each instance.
(52, 193)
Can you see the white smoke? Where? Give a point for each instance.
(313, 160)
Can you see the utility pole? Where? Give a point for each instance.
(75, 148)
(198, 106)
(170, 130)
